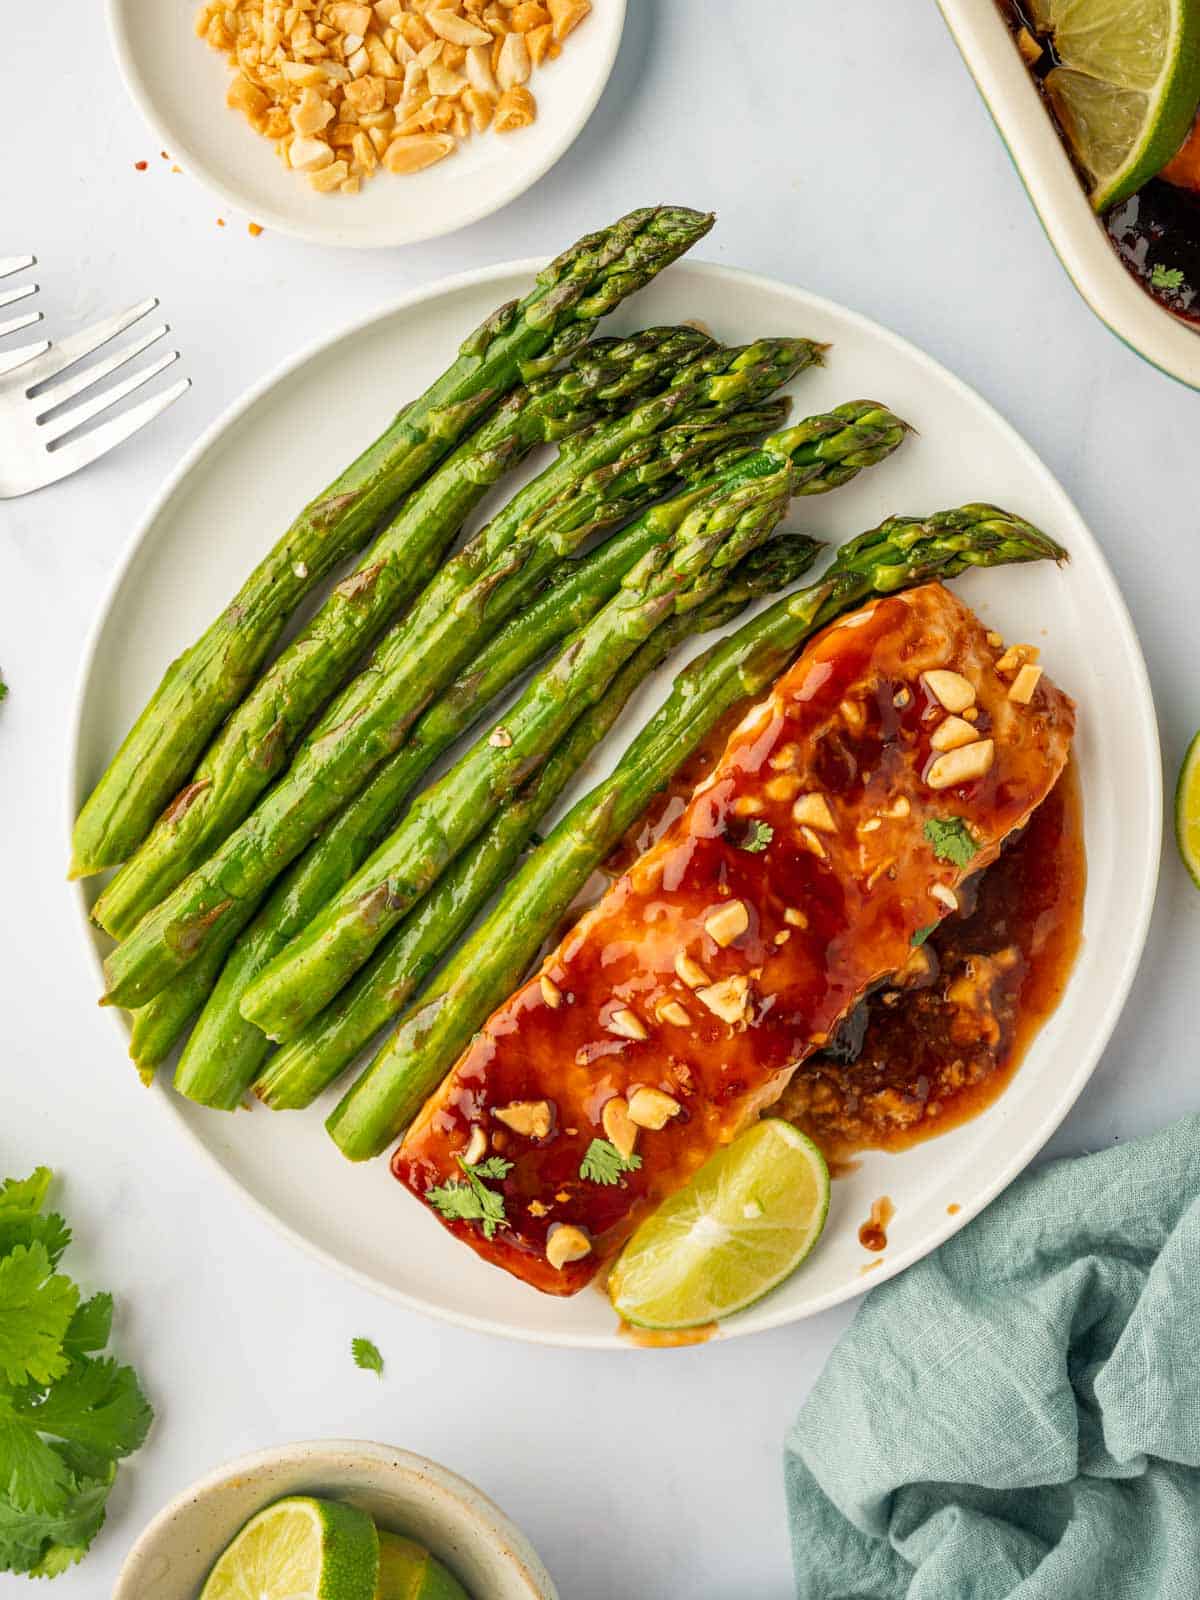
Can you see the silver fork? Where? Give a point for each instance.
(39, 438)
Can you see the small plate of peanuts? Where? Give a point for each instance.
(367, 124)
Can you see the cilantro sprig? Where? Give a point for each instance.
(366, 1355)
(468, 1199)
(1170, 278)
(604, 1163)
(952, 840)
(68, 1413)
(757, 836)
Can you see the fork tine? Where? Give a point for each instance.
(69, 387)
(15, 324)
(12, 359)
(82, 452)
(68, 421)
(11, 264)
(11, 296)
(67, 352)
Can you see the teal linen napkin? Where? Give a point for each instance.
(1019, 1414)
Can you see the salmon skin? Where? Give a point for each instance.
(887, 765)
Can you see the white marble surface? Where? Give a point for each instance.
(845, 149)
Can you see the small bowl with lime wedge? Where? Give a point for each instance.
(1123, 83)
(333, 1520)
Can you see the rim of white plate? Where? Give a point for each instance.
(493, 196)
(758, 1318)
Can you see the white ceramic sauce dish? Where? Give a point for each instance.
(1053, 185)
(406, 1493)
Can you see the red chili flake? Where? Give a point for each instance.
(141, 165)
(254, 230)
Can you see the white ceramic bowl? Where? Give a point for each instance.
(1053, 185)
(178, 84)
(404, 1492)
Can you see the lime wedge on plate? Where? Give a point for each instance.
(743, 1224)
(1128, 85)
(1187, 810)
(299, 1549)
(407, 1571)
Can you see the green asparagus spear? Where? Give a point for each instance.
(158, 1027)
(225, 1052)
(484, 969)
(713, 529)
(470, 598)
(255, 744)
(303, 1069)
(207, 681)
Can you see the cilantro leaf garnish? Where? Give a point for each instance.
(757, 836)
(493, 1167)
(471, 1200)
(1166, 277)
(36, 1307)
(67, 1412)
(366, 1355)
(951, 839)
(922, 934)
(604, 1163)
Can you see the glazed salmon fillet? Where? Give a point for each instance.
(887, 765)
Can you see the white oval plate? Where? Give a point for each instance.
(240, 487)
(179, 82)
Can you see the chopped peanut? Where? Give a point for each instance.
(619, 1128)
(689, 971)
(309, 155)
(513, 66)
(528, 1117)
(950, 689)
(727, 999)
(627, 1024)
(566, 15)
(812, 810)
(476, 1146)
(727, 923)
(527, 16)
(671, 1011)
(414, 152)
(652, 1109)
(565, 1243)
(1024, 684)
(540, 43)
(458, 30)
(952, 732)
(961, 766)
(551, 993)
(330, 177)
(1016, 656)
(516, 108)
